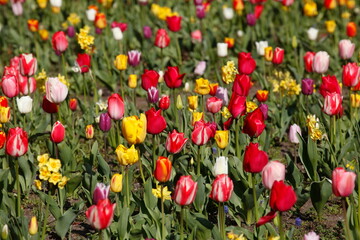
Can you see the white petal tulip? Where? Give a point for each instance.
(24, 104)
(221, 166)
(222, 49)
(90, 14)
(312, 33)
(117, 33)
(228, 13)
(56, 3)
(260, 47)
(56, 91)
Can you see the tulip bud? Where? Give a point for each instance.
(116, 183)
(33, 226)
(220, 166)
(5, 232)
(294, 130)
(132, 81)
(153, 95)
(89, 131)
(24, 104)
(186, 87)
(307, 86)
(57, 132)
(4, 114)
(73, 104)
(179, 103)
(222, 49)
(105, 122)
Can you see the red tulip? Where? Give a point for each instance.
(262, 95)
(258, 10)
(149, 79)
(329, 85)
(333, 104)
(237, 105)
(222, 188)
(156, 122)
(3, 101)
(175, 142)
(73, 104)
(10, 86)
(329, 4)
(350, 74)
(278, 56)
(173, 78)
(213, 88)
(185, 191)
(246, 63)
(48, 106)
(164, 102)
(28, 64)
(11, 70)
(242, 85)
(213, 104)
(57, 132)
(351, 29)
(254, 159)
(2, 139)
(162, 171)
(116, 106)
(84, 62)
(254, 123)
(101, 215)
(24, 82)
(308, 61)
(174, 23)
(343, 182)
(16, 142)
(203, 132)
(59, 42)
(162, 39)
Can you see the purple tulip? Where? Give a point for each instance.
(105, 122)
(197, 2)
(98, 31)
(71, 31)
(264, 109)
(251, 19)
(101, 192)
(153, 95)
(134, 57)
(222, 93)
(200, 11)
(147, 32)
(307, 86)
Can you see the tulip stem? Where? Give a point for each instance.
(237, 129)
(347, 230)
(127, 187)
(63, 66)
(154, 151)
(14, 112)
(254, 197)
(182, 223)
(17, 187)
(281, 229)
(358, 214)
(162, 213)
(351, 108)
(141, 171)
(45, 222)
(198, 160)
(178, 49)
(121, 85)
(221, 213)
(176, 113)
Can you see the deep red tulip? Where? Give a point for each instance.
(246, 63)
(162, 38)
(156, 122)
(213, 104)
(57, 132)
(84, 62)
(237, 105)
(333, 104)
(163, 168)
(105, 122)
(101, 215)
(149, 79)
(185, 191)
(350, 74)
(175, 142)
(59, 42)
(282, 197)
(242, 85)
(308, 61)
(48, 106)
(278, 56)
(174, 23)
(10, 86)
(254, 123)
(16, 142)
(222, 188)
(28, 64)
(343, 182)
(164, 102)
(329, 85)
(116, 106)
(173, 78)
(73, 104)
(254, 158)
(203, 132)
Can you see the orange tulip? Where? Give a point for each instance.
(351, 29)
(163, 169)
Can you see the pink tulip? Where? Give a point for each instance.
(185, 191)
(196, 36)
(24, 84)
(56, 91)
(57, 132)
(116, 106)
(222, 188)
(321, 62)
(346, 49)
(213, 104)
(59, 42)
(10, 86)
(294, 130)
(273, 171)
(101, 215)
(343, 182)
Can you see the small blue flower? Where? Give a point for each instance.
(226, 209)
(214, 150)
(298, 222)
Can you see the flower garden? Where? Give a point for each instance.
(186, 119)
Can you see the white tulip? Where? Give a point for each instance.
(117, 33)
(228, 13)
(260, 47)
(221, 166)
(312, 33)
(90, 14)
(24, 104)
(56, 3)
(222, 49)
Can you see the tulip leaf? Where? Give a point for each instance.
(319, 194)
(123, 222)
(65, 152)
(200, 199)
(63, 223)
(293, 175)
(104, 168)
(309, 163)
(26, 168)
(53, 206)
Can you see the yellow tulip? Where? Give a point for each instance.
(116, 183)
(330, 26)
(202, 86)
(134, 129)
(269, 54)
(355, 100)
(132, 81)
(44, 34)
(89, 131)
(197, 116)
(42, 3)
(310, 9)
(55, 9)
(350, 4)
(222, 138)
(127, 156)
(4, 114)
(121, 62)
(193, 102)
(33, 226)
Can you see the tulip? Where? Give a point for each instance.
(262, 95)
(213, 104)
(56, 3)
(24, 82)
(59, 42)
(185, 191)
(278, 56)
(132, 81)
(28, 64)
(202, 86)
(351, 29)
(10, 86)
(251, 19)
(310, 9)
(196, 36)
(179, 103)
(260, 47)
(350, 74)
(134, 57)
(157, 122)
(222, 49)
(5, 232)
(269, 54)
(90, 14)
(162, 39)
(311, 236)
(294, 130)
(333, 104)
(121, 62)
(56, 91)
(193, 102)
(100, 20)
(149, 79)
(203, 132)
(17, 8)
(307, 86)
(16, 142)
(164, 102)
(73, 104)
(12, 69)
(84, 62)
(343, 182)
(254, 159)
(220, 166)
(197, 116)
(4, 114)
(222, 138)
(287, 3)
(105, 122)
(89, 131)
(282, 196)
(153, 95)
(127, 156)
(237, 105)
(242, 85)
(329, 85)
(117, 33)
(134, 129)
(312, 33)
(116, 106)
(330, 26)
(254, 123)
(330, 4)
(48, 106)
(44, 34)
(222, 188)
(175, 142)
(308, 61)
(200, 11)
(273, 171)
(147, 32)
(122, 26)
(24, 104)
(346, 49)
(2, 139)
(186, 87)
(173, 78)
(101, 192)
(174, 23)
(101, 215)
(222, 94)
(70, 31)
(33, 25)
(3, 101)
(116, 183)
(33, 226)
(321, 62)
(264, 109)
(57, 132)
(246, 63)
(200, 68)
(213, 88)
(228, 13)
(162, 171)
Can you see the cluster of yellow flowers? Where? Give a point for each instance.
(312, 122)
(84, 39)
(49, 169)
(225, 113)
(229, 72)
(233, 236)
(284, 83)
(162, 12)
(251, 106)
(63, 80)
(351, 165)
(40, 80)
(165, 192)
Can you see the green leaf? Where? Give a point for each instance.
(310, 164)
(200, 199)
(53, 206)
(65, 152)
(319, 194)
(104, 168)
(123, 222)
(64, 222)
